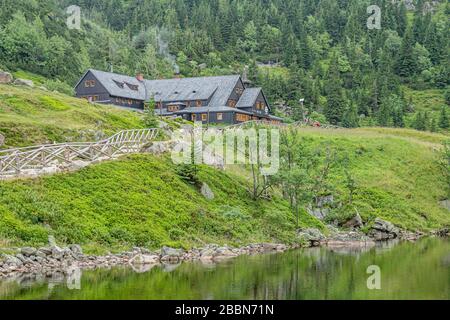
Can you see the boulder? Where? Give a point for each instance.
(28, 251)
(383, 230)
(45, 250)
(207, 192)
(76, 249)
(11, 260)
(354, 223)
(24, 82)
(144, 259)
(313, 236)
(207, 254)
(166, 251)
(6, 77)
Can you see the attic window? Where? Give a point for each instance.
(132, 86)
(119, 84)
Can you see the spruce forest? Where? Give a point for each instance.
(313, 58)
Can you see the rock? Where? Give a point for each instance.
(383, 230)
(166, 251)
(322, 202)
(45, 250)
(24, 82)
(319, 213)
(207, 192)
(28, 251)
(313, 236)
(21, 257)
(57, 253)
(41, 254)
(443, 233)
(6, 77)
(76, 249)
(207, 254)
(354, 223)
(11, 260)
(144, 259)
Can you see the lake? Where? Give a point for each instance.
(407, 271)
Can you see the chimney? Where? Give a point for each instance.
(140, 77)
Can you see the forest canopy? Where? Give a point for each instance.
(319, 51)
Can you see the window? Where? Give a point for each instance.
(259, 105)
(232, 103)
(119, 84)
(132, 86)
(198, 103)
(130, 102)
(158, 105)
(239, 91)
(173, 108)
(204, 117)
(220, 116)
(194, 117)
(242, 117)
(89, 83)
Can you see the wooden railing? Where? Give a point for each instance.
(15, 161)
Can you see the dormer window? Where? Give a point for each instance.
(132, 86)
(121, 85)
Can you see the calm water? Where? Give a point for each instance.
(408, 271)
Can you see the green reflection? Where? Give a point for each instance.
(408, 271)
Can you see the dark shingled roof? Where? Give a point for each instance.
(218, 89)
(248, 98)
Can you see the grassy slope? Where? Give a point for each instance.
(140, 201)
(34, 116)
(395, 172)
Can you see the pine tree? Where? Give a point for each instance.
(444, 118)
(406, 63)
(336, 104)
(350, 119)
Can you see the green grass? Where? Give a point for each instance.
(396, 173)
(33, 116)
(37, 79)
(140, 201)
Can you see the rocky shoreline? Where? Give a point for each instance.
(47, 261)
(52, 259)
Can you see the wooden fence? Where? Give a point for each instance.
(15, 161)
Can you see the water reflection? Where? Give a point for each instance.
(408, 271)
